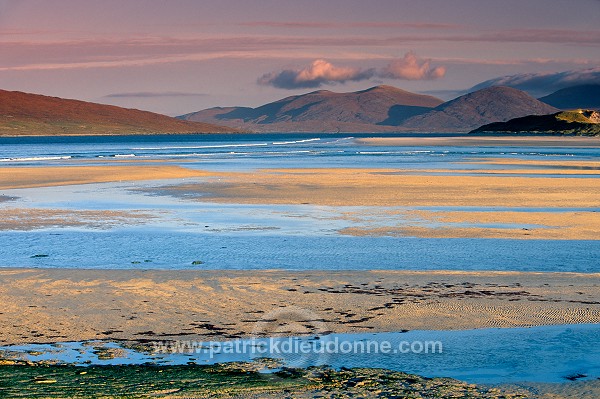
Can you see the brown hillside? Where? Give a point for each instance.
(34, 114)
(465, 113)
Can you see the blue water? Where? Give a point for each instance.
(247, 151)
(537, 354)
(263, 250)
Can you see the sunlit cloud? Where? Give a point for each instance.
(321, 72)
(410, 67)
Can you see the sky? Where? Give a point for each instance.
(181, 56)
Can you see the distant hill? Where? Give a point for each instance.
(34, 114)
(581, 122)
(467, 112)
(576, 97)
(380, 108)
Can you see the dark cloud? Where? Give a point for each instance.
(539, 84)
(150, 94)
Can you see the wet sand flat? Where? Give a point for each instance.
(29, 177)
(490, 224)
(546, 165)
(24, 219)
(336, 187)
(331, 186)
(478, 141)
(390, 187)
(54, 305)
(566, 171)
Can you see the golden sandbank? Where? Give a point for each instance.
(50, 305)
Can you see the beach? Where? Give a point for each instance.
(70, 304)
(51, 305)
(139, 251)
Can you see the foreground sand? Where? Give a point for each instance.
(50, 305)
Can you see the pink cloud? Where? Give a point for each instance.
(411, 67)
(323, 70)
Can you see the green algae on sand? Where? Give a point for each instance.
(226, 380)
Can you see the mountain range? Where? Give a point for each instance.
(378, 109)
(34, 114)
